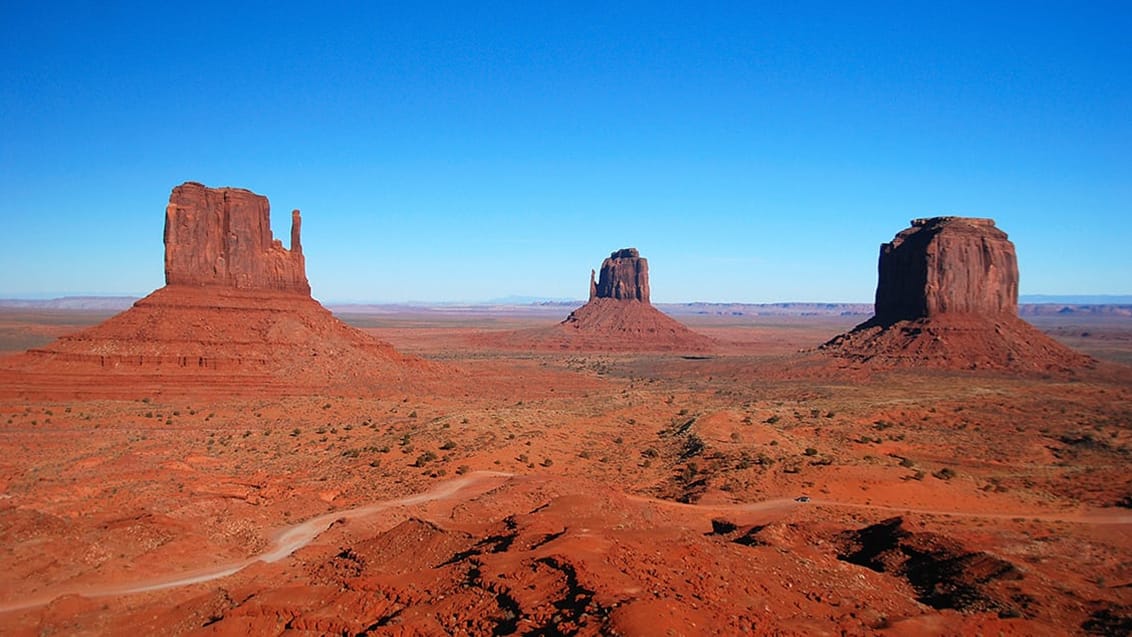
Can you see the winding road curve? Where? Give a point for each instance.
(286, 542)
(293, 538)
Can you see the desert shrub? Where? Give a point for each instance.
(448, 444)
(650, 453)
(772, 420)
(462, 469)
(523, 458)
(424, 459)
(546, 462)
(810, 451)
(295, 432)
(907, 463)
(413, 414)
(693, 446)
(945, 473)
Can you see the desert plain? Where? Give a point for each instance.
(753, 488)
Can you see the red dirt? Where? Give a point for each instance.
(652, 493)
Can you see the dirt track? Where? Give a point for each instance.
(293, 538)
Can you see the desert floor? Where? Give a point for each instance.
(577, 493)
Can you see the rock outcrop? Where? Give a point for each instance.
(618, 317)
(222, 237)
(624, 276)
(947, 265)
(947, 296)
(235, 316)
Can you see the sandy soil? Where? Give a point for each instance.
(577, 493)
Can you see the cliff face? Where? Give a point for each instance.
(624, 276)
(947, 265)
(222, 237)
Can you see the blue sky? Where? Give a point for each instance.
(475, 150)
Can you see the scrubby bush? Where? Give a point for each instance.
(945, 473)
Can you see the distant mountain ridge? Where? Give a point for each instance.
(73, 303)
(1031, 305)
(1077, 299)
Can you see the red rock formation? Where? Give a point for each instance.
(624, 276)
(947, 264)
(222, 236)
(947, 296)
(236, 316)
(618, 317)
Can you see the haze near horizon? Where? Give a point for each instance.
(471, 152)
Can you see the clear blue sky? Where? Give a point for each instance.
(474, 150)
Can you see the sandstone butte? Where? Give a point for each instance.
(947, 297)
(235, 316)
(619, 315)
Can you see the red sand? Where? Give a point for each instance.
(652, 493)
